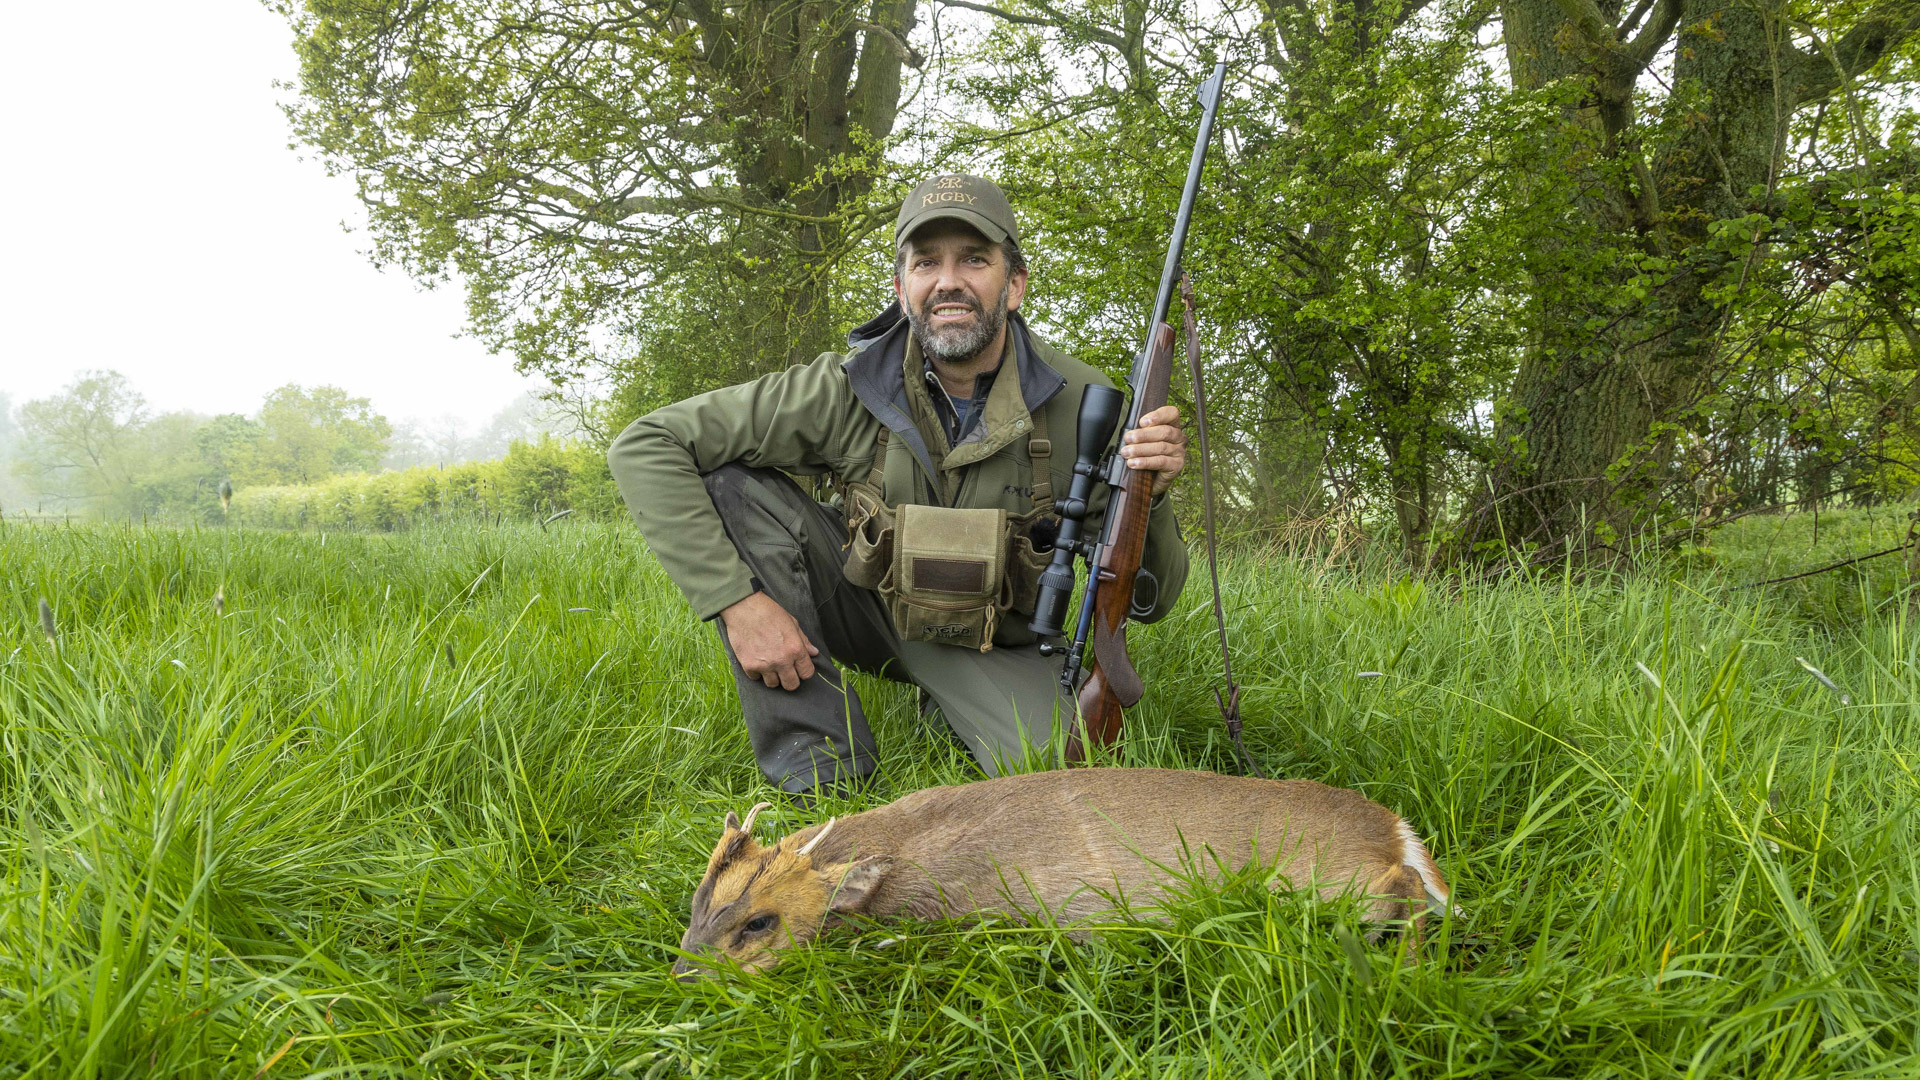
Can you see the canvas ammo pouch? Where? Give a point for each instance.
(949, 572)
(947, 575)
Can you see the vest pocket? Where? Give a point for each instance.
(1028, 561)
(869, 539)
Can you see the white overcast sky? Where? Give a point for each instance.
(161, 227)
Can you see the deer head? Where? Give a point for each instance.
(756, 901)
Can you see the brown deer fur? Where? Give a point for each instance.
(1068, 841)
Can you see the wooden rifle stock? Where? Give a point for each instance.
(1112, 683)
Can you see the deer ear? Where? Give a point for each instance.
(733, 821)
(858, 883)
(733, 844)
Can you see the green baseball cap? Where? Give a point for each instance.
(980, 203)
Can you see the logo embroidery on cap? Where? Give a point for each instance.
(934, 198)
(950, 183)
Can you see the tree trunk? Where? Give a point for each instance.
(1913, 569)
(821, 98)
(1586, 425)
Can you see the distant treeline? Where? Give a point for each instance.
(96, 450)
(533, 481)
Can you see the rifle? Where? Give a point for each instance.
(1117, 587)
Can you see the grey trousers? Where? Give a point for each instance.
(999, 703)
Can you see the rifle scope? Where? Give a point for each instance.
(1100, 408)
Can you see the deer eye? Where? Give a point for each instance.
(760, 924)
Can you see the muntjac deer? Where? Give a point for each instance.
(1063, 841)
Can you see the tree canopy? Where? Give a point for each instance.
(305, 435)
(1499, 273)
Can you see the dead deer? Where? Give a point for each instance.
(1064, 843)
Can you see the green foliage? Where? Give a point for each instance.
(306, 435)
(532, 481)
(94, 447)
(1497, 273)
(1762, 547)
(12, 495)
(396, 806)
(1362, 239)
(229, 443)
(84, 444)
(1819, 292)
(659, 189)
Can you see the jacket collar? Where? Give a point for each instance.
(875, 369)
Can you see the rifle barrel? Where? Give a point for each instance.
(1170, 273)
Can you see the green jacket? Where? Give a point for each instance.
(825, 417)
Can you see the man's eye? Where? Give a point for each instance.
(760, 924)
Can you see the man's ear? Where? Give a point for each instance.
(857, 884)
(1016, 290)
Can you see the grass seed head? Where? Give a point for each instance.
(1825, 681)
(219, 601)
(47, 625)
(226, 495)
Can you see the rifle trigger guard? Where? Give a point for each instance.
(1146, 593)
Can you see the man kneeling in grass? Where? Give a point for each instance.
(948, 425)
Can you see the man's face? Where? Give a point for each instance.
(955, 288)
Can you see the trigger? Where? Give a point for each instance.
(1146, 593)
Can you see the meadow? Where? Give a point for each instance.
(431, 803)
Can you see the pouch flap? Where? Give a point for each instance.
(956, 553)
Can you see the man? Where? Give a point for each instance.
(949, 425)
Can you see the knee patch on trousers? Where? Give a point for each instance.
(733, 484)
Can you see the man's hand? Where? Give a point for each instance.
(1159, 444)
(768, 642)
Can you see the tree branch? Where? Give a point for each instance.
(1660, 27)
(698, 199)
(612, 211)
(909, 55)
(1586, 17)
(1058, 22)
(1632, 20)
(873, 102)
(1625, 60)
(1879, 31)
(1302, 34)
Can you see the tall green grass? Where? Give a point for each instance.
(431, 804)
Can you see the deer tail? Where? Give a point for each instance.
(1414, 856)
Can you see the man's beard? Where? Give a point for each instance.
(958, 344)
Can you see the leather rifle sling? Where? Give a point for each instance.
(1230, 703)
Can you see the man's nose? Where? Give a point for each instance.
(948, 279)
